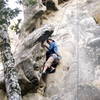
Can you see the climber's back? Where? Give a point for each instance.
(53, 48)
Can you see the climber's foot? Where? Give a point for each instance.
(43, 73)
(52, 70)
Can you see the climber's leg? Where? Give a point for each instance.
(48, 63)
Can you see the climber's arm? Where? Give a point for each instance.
(48, 46)
(56, 51)
(45, 45)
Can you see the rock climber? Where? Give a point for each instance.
(51, 55)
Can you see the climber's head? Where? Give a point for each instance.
(50, 40)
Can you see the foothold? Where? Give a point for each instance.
(97, 18)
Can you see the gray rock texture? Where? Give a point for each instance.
(76, 29)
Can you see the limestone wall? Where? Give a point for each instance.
(77, 33)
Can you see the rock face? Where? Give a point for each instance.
(76, 29)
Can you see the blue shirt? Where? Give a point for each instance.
(53, 48)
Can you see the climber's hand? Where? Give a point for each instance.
(44, 45)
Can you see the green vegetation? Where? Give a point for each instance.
(30, 2)
(6, 13)
(15, 26)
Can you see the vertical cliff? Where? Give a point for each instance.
(75, 27)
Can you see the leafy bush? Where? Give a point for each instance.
(6, 13)
(30, 2)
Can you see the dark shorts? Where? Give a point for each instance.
(52, 60)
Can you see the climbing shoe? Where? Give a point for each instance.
(52, 70)
(43, 73)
